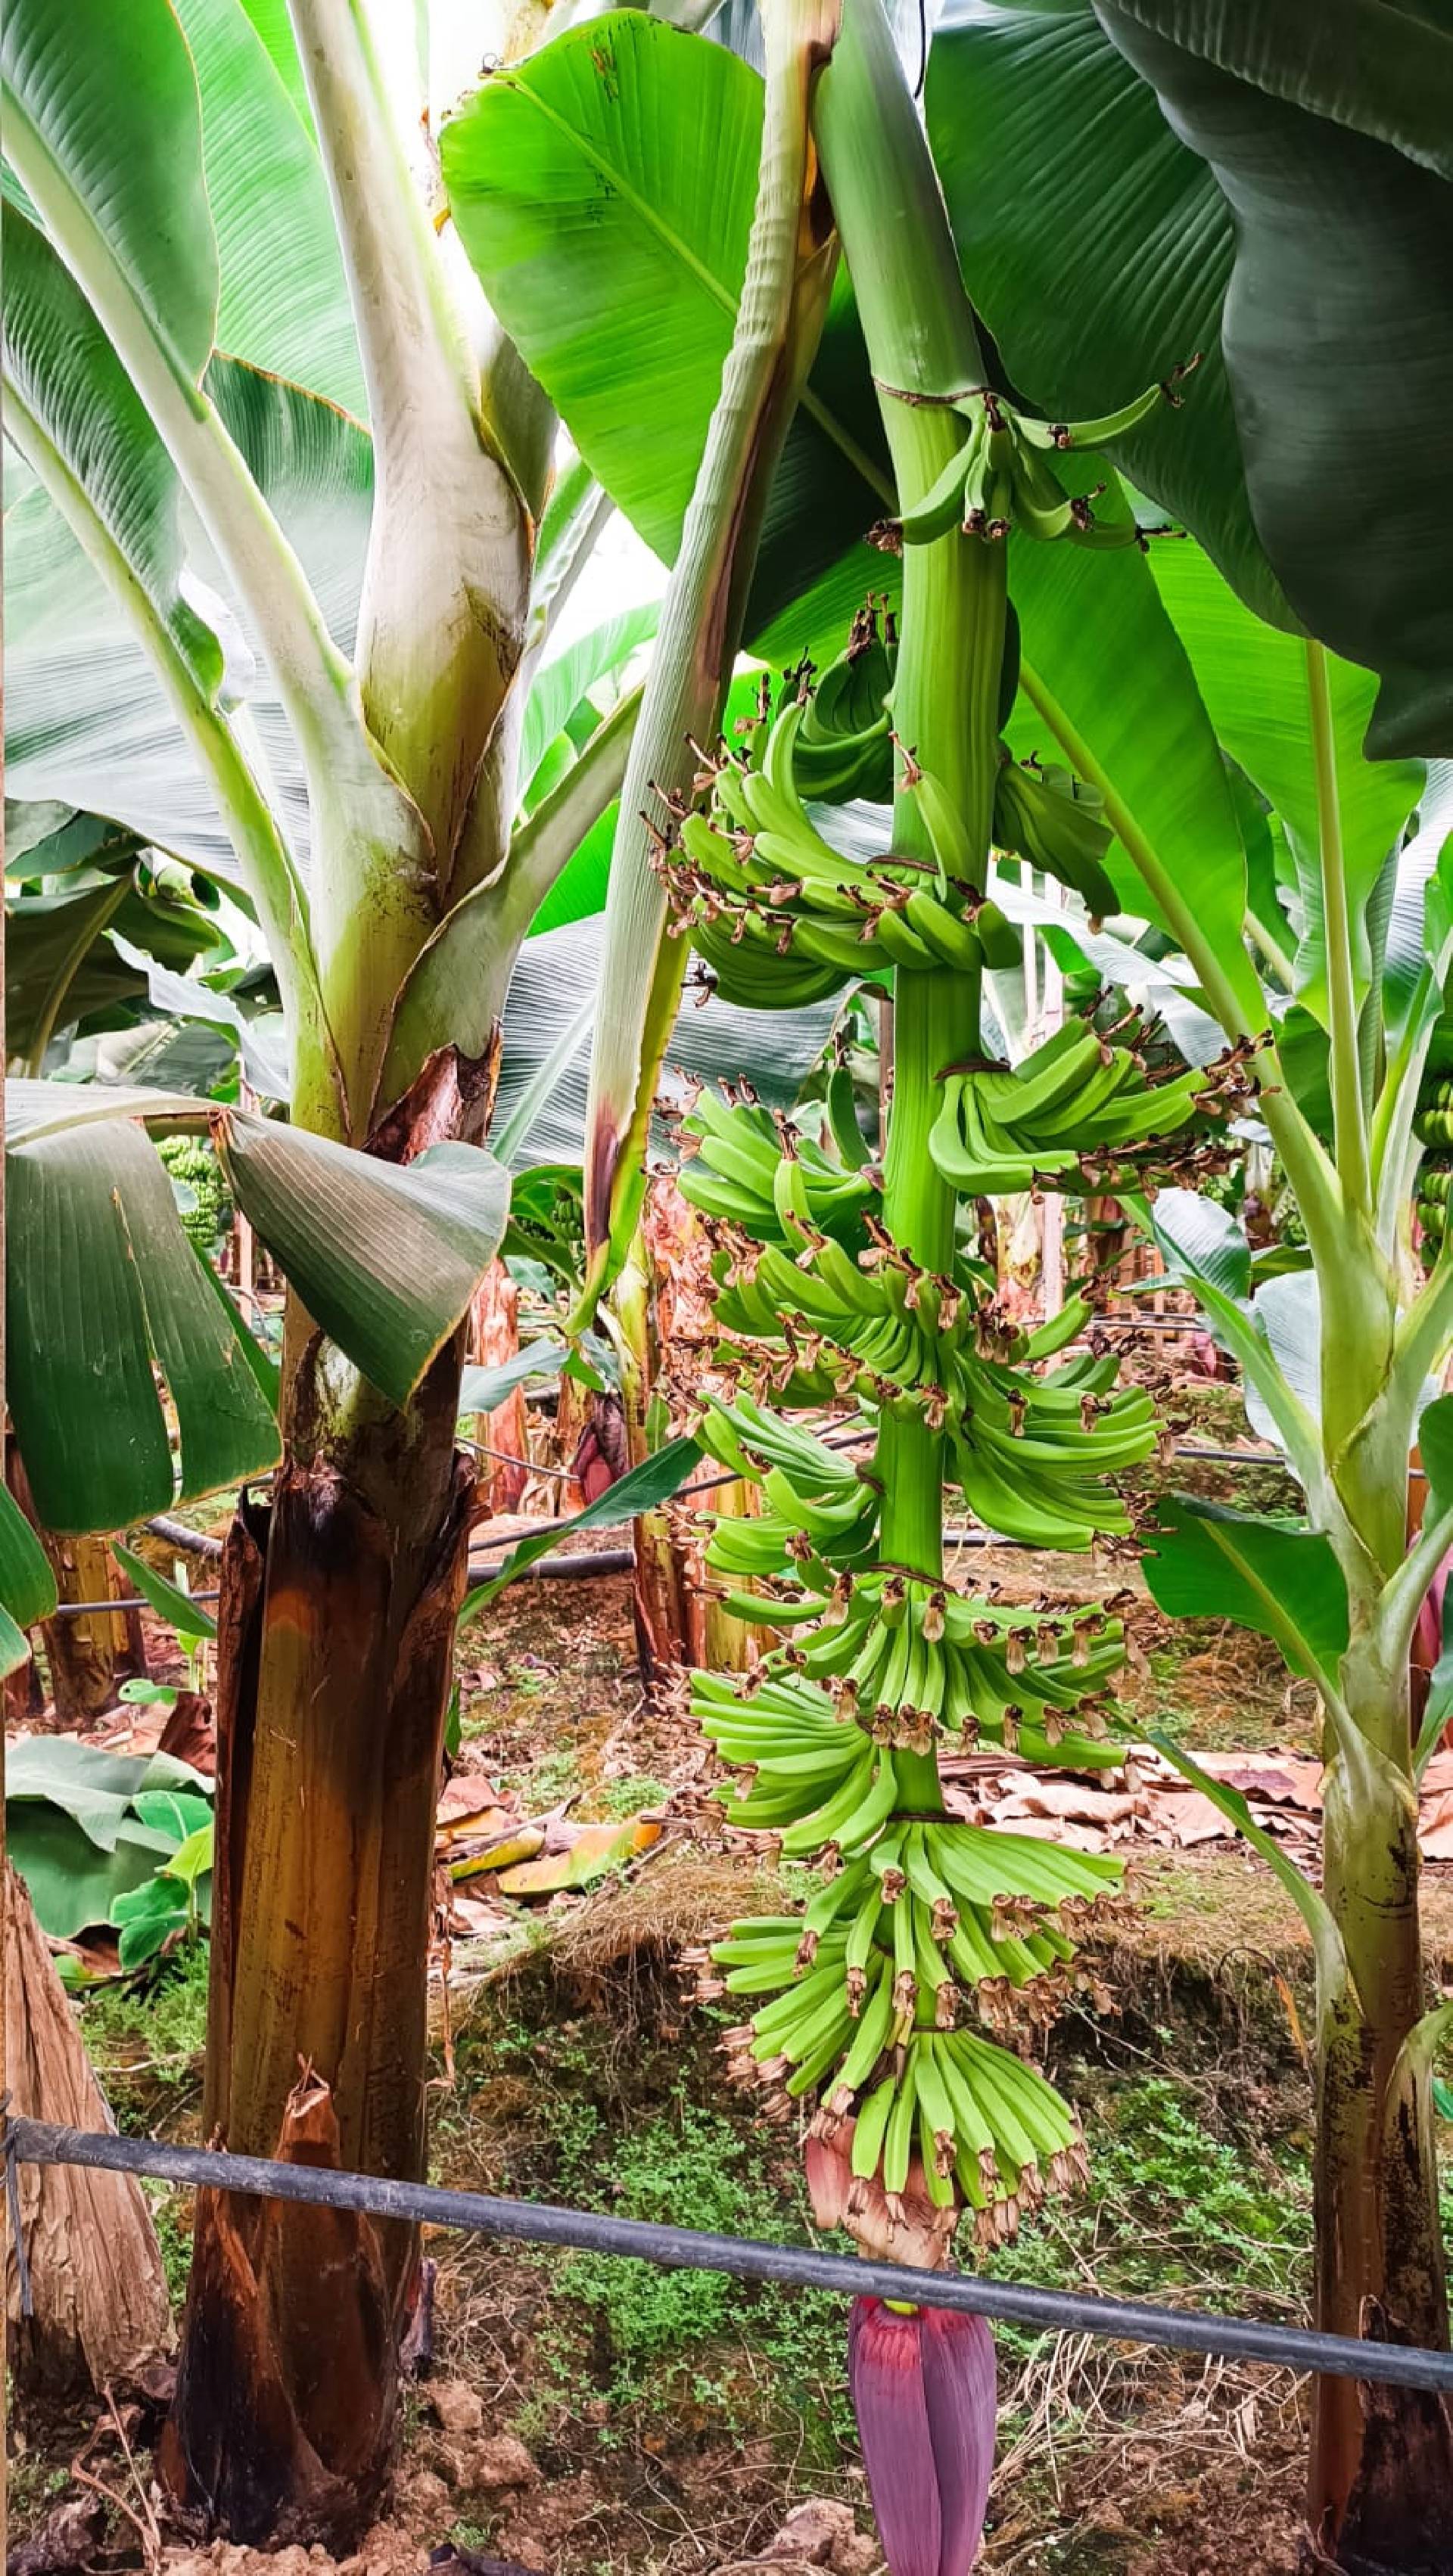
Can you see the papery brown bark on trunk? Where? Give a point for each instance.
(664, 1314)
(84, 1657)
(283, 2422)
(1381, 2488)
(665, 1611)
(337, 1617)
(495, 1337)
(335, 1655)
(1399, 2520)
(728, 1644)
(98, 2287)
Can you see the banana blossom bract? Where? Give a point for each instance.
(924, 2391)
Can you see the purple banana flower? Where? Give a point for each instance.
(923, 2389)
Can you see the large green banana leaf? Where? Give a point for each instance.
(1253, 681)
(540, 1109)
(105, 1293)
(27, 1585)
(63, 967)
(1267, 186)
(1107, 268)
(229, 247)
(88, 720)
(85, 1827)
(283, 301)
(1278, 1577)
(603, 190)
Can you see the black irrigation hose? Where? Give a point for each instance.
(688, 2248)
(192, 1542)
(128, 1601)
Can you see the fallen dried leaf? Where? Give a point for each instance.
(1185, 1817)
(518, 1843)
(593, 1850)
(1435, 1829)
(464, 1794)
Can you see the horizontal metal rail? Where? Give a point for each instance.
(530, 2222)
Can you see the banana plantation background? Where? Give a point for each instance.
(729, 883)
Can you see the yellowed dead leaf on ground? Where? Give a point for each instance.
(521, 1843)
(479, 1824)
(595, 1849)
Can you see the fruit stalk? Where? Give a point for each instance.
(922, 347)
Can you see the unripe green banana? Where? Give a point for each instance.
(870, 2129)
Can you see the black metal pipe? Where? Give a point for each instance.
(689, 2248)
(601, 1560)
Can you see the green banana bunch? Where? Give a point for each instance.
(758, 878)
(1433, 1126)
(1031, 1456)
(1031, 1452)
(1433, 1123)
(1048, 818)
(733, 1174)
(865, 1988)
(817, 1490)
(754, 974)
(1001, 477)
(845, 741)
(1078, 1103)
(869, 1665)
(1431, 1208)
(883, 1654)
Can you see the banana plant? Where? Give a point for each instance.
(839, 1283)
(296, 654)
(844, 1281)
(291, 652)
(1257, 179)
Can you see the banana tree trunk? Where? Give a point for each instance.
(337, 1624)
(727, 1644)
(85, 1657)
(1382, 2458)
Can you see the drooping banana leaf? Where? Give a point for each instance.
(1266, 186)
(552, 994)
(105, 1291)
(27, 1585)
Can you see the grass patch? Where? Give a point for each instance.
(146, 2035)
(544, 1783)
(647, 2359)
(145, 2039)
(627, 1797)
(661, 2343)
(1172, 2214)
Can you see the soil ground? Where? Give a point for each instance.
(592, 2418)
